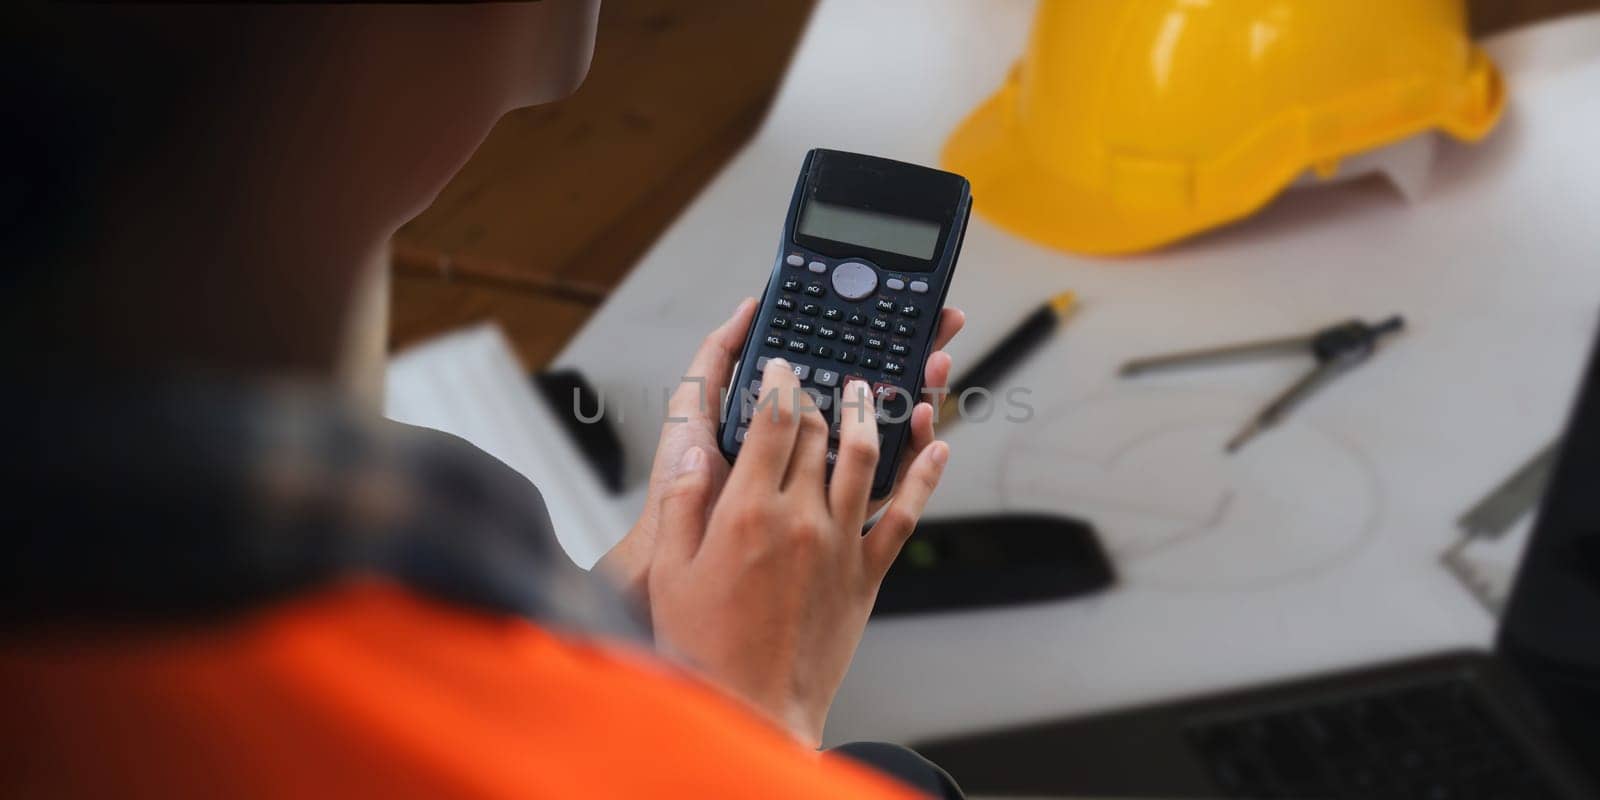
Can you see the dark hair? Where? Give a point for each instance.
(87, 97)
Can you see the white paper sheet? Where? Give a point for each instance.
(1317, 546)
(469, 383)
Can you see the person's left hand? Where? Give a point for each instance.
(692, 421)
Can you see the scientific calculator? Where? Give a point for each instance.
(868, 249)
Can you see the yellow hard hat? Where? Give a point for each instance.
(1129, 124)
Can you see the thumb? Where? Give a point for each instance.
(683, 508)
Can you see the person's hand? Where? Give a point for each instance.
(692, 423)
(768, 595)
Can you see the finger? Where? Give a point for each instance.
(683, 508)
(712, 366)
(936, 377)
(921, 437)
(951, 321)
(764, 459)
(937, 372)
(858, 455)
(808, 464)
(884, 541)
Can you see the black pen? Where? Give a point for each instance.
(1021, 341)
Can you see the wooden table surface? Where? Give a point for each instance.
(562, 199)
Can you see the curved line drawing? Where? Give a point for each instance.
(1186, 535)
(1033, 444)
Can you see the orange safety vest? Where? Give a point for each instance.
(364, 688)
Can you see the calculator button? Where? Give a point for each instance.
(794, 260)
(811, 309)
(885, 393)
(822, 351)
(892, 402)
(801, 371)
(893, 283)
(797, 345)
(826, 332)
(825, 377)
(850, 337)
(801, 327)
(738, 435)
(780, 322)
(774, 341)
(791, 284)
(892, 368)
(783, 304)
(910, 311)
(832, 313)
(817, 266)
(875, 342)
(854, 280)
(822, 400)
(846, 357)
(902, 329)
(880, 324)
(898, 348)
(816, 290)
(920, 287)
(886, 305)
(871, 362)
(857, 319)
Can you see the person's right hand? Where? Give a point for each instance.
(768, 595)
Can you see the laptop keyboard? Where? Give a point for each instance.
(1428, 742)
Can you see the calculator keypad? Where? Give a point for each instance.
(832, 328)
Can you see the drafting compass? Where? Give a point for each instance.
(1336, 350)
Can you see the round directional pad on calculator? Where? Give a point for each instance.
(854, 280)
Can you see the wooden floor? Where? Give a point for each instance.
(562, 199)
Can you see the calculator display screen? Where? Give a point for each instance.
(916, 238)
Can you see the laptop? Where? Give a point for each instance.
(1521, 722)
